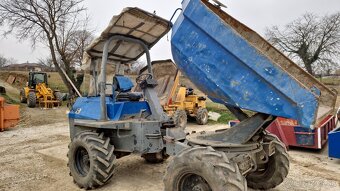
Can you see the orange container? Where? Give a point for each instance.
(9, 115)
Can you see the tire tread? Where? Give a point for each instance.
(227, 172)
(32, 100)
(103, 159)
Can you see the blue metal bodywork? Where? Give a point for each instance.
(230, 71)
(334, 143)
(125, 84)
(304, 136)
(89, 108)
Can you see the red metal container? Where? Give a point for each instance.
(291, 134)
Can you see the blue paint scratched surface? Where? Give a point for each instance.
(304, 136)
(89, 108)
(125, 84)
(229, 70)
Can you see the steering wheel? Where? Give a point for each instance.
(142, 77)
(37, 81)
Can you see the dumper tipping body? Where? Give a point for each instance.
(233, 65)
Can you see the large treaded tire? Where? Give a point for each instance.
(98, 169)
(202, 116)
(180, 118)
(32, 100)
(276, 171)
(23, 98)
(203, 168)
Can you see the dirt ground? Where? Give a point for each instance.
(34, 158)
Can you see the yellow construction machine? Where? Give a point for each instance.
(186, 103)
(178, 101)
(38, 92)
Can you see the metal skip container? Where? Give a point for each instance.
(234, 65)
(9, 115)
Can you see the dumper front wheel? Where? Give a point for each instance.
(91, 159)
(274, 172)
(32, 100)
(204, 169)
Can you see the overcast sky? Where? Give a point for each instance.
(257, 14)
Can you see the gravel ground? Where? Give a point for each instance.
(34, 158)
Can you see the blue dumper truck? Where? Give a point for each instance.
(226, 60)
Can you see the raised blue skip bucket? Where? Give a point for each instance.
(234, 65)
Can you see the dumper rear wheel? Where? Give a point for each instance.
(204, 169)
(91, 159)
(202, 116)
(23, 98)
(274, 172)
(180, 118)
(32, 100)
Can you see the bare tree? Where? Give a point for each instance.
(11, 61)
(6, 61)
(51, 22)
(312, 40)
(79, 40)
(3, 61)
(46, 62)
(74, 47)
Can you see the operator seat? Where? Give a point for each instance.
(121, 87)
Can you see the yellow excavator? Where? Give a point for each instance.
(38, 92)
(178, 101)
(186, 103)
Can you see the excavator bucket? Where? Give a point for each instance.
(235, 66)
(9, 115)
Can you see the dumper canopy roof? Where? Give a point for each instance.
(134, 23)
